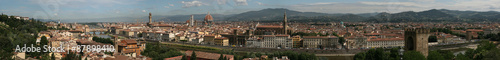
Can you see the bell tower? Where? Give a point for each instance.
(416, 40)
(150, 18)
(285, 24)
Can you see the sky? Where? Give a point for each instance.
(89, 9)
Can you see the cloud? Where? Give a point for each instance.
(240, 2)
(424, 0)
(322, 3)
(392, 3)
(192, 4)
(170, 4)
(259, 3)
(143, 10)
(221, 2)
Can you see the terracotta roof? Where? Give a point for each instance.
(269, 26)
(221, 38)
(128, 51)
(474, 30)
(274, 35)
(130, 41)
(386, 39)
(121, 57)
(314, 37)
(162, 25)
(174, 58)
(208, 17)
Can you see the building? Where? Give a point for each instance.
(297, 41)
(385, 42)
(320, 42)
(131, 48)
(190, 22)
(150, 23)
(209, 39)
(254, 42)
(417, 40)
(237, 37)
(221, 41)
(276, 41)
(269, 30)
(273, 30)
(208, 20)
(358, 41)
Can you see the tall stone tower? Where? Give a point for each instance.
(150, 18)
(285, 24)
(416, 40)
(468, 35)
(191, 21)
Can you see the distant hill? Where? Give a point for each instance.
(276, 14)
(435, 15)
(271, 14)
(198, 17)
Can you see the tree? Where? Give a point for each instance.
(157, 51)
(53, 57)
(184, 57)
(341, 41)
(225, 58)
(221, 57)
(360, 56)
(448, 55)
(140, 34)
(6, 49)
(71, 56)
(461, 56)
(432, 39)
(413, 55)
(376, 54)
(43, 40)
(193, 56)
(434, 55)
(394, 54)
(493, 54)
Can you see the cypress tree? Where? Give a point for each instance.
(221, 57)
(193, 56)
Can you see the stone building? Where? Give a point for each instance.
(416, 39)
(276, 41)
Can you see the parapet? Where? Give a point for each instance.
(417, 30)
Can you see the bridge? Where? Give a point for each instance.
(96, 30)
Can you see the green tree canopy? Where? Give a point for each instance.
(413, 55)
(434, 55)
(193, 56)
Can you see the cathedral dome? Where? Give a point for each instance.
(188, 21)
(208, 17)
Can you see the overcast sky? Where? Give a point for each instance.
(84, 9)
